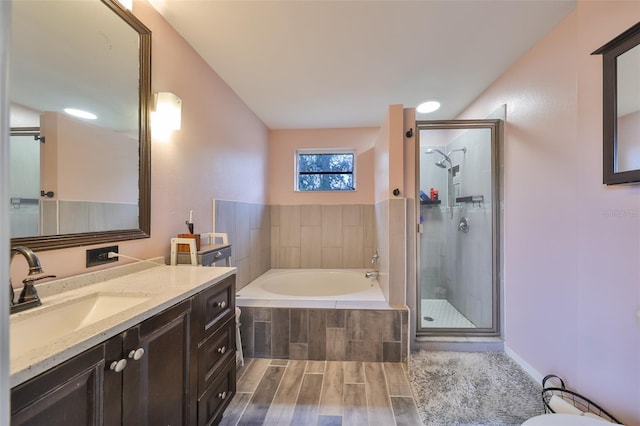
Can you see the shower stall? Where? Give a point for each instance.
(458, 214)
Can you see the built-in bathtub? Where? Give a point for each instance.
(321, 314)
(337, 285)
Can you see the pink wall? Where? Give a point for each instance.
(572, 245)
(389, 155)
(220, 152)
(282, 147)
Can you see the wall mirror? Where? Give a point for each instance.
(79, 181)
(621, 107)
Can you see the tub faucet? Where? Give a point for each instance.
(28, 296)
(375, 258)
(371, 274)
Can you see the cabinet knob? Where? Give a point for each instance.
(222, 349)
(136, 354)
(217, 255)
(222, 395)
(222, 304)
(118, 366)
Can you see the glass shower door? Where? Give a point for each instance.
(458, 215)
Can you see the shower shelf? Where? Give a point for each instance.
(471, 199)
(429, 202)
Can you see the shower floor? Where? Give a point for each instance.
(443, 315)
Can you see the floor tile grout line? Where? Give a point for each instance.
(278, 388)
(321, 390)
(306, 364)
(386, 385)
(245, 407)
(366, 396)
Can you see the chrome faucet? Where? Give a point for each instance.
(28, 296)
(371, 274)
(375, 257)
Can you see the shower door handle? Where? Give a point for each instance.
(463, 226)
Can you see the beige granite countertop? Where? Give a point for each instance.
(164, 285)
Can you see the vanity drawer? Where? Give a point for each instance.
(215, 305)
(212, 256)
(214, 353)
(217, 396)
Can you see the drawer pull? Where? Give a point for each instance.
(222, 304)
(218, 254)
(222, 395)
(118, 366)
(136, 354)
(222, 349)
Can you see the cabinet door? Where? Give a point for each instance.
(158, 388)
(69, 394)
(113, 382)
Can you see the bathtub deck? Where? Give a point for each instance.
(282, 392)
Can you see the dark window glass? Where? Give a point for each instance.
(325, 172)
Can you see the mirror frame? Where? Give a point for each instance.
(610, 52)
(53, 242)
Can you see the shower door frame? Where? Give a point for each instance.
(495, 125)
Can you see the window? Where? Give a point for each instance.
(325, 170)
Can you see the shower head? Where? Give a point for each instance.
(441, 163)
(444, 158)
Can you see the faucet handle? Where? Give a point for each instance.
(29, 291)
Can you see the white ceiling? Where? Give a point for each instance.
(326, 64)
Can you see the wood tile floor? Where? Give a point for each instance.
(323, 393)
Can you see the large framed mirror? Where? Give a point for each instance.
(621, 107)
(78, 181)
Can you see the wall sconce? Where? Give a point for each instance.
(166, 114)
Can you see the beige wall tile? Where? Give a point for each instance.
(311, 247)
(275, 246)
(353, 247)
(369, 224)
(243, 274)
(352, 215)
(289, 226)
(275, 215)
(255, 255)
(311, 215)
(242, 244)
(332, 257)
(331, 226)
(289, 257)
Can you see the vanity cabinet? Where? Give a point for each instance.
(216, 350)
(176, 368)
(156, 385)
(69, 394)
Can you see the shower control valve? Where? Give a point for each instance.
(463, 226)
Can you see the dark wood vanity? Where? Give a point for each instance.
(175, 368)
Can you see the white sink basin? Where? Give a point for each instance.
(36, 328)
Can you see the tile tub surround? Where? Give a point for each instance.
(372, 335)
(248, 226)
(322, 236)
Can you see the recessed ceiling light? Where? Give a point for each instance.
(80, 113)
(428, 106)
